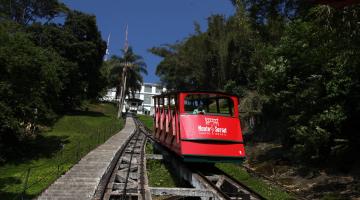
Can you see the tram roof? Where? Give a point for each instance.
(194, 91)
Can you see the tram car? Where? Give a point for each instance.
(199, 126)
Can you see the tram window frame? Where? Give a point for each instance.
(192, 102)
(160, 101)
(172, 103)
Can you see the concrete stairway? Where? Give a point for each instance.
(81, 181)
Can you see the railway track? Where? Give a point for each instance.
(128, 180)
(128, 177)
(227, 187)
(211, 182)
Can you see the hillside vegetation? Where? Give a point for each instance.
(295, 67)
(47, 68)
(57, 149)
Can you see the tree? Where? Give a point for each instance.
(30, 84)
(46, 69)
(88, 51)
(80, 43)
(294, 64)
(208, 60)
(313, 81)
(136, 68)
(29, 11)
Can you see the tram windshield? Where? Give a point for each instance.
(209, 104)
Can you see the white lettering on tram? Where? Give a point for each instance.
(212, 127)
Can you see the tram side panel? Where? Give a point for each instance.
(211, 136)
(166, 128)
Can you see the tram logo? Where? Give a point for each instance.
(212, 126)
(211, 122)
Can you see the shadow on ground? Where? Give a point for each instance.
(8, 181)
(15, 196)
(86, 113)
(39, 147)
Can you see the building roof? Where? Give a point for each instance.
(153, 84)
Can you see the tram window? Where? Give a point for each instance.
(226, 106)
(210, 104)
(172, 102)
(161, 101)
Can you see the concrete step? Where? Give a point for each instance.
(81, 181)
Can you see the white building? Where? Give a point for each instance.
(110, 95)
(148, 90)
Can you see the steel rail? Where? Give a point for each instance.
(253, 194)
(143, 187)
(224, 182)
(103, 187)
(227, 187)
(130, 161)
(129, 165)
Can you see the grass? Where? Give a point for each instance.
(147, 120)
(334, 197)
(158, 174)
(57, 150)
(266, 190)
(149, 148)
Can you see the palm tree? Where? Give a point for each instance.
(135, 67)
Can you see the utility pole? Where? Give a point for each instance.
(123, 76)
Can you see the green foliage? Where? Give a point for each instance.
(312, 80)
(209, 60)
(114, 68)
(30, 77)
(147, 120)
(159, 175)
(233, 88)
(80, 43)
(46, 69)
(25, 12)
(56, 150)
(87, 51)
(296, 70)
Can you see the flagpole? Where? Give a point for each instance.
(123, 77)
(107, 53)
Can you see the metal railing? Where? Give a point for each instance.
(63, 160)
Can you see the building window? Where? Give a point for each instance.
(148, 88)
(158, 90)
(147, 99)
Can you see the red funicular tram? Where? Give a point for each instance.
(199, 126)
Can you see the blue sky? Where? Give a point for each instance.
(151, 22)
